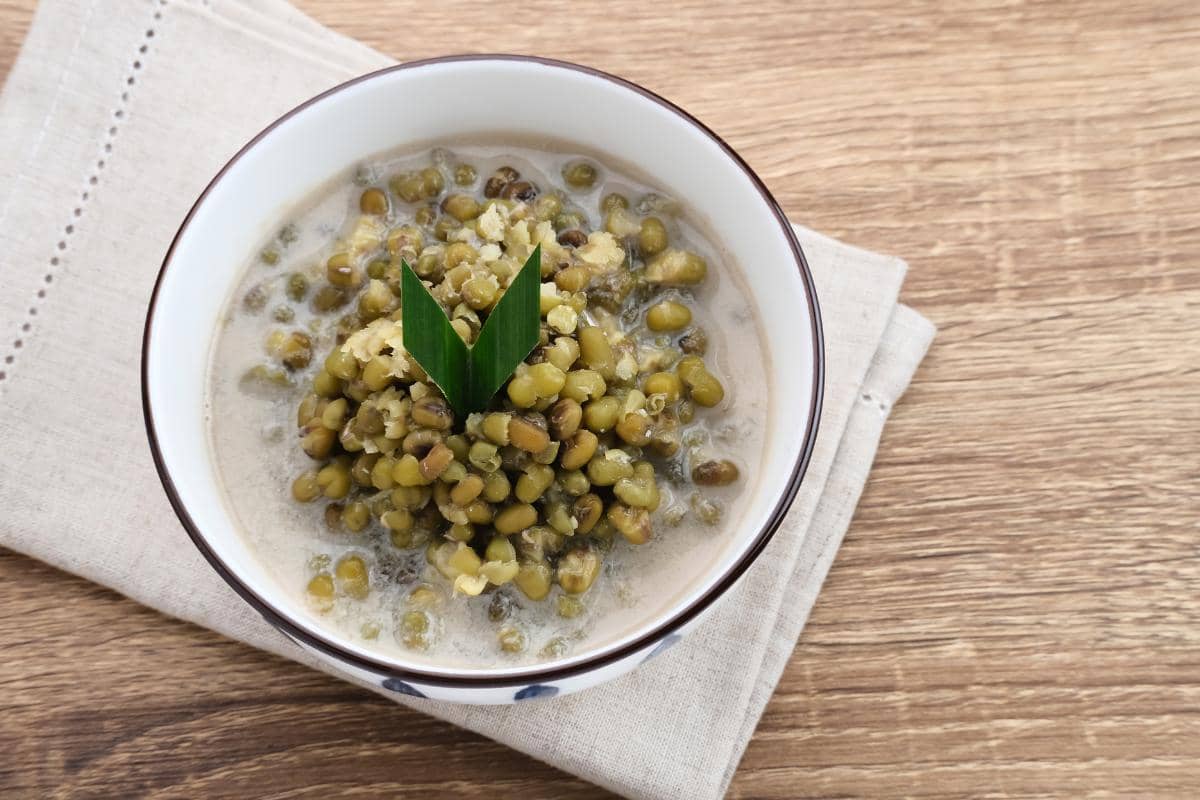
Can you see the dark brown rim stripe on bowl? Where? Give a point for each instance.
(534, 674)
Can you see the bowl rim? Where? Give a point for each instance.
(534, 674)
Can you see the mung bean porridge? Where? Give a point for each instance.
(599, 483)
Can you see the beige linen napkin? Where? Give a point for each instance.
(110, 125)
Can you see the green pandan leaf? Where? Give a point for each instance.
(509, 334)
(468, 377)
(429, 339)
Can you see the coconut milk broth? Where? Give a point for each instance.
(253, 435)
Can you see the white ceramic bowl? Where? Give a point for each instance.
(451, 99)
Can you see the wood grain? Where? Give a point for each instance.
(1016, 610)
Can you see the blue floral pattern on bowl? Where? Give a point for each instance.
(400, 687)
(535, 691)
(668, 641)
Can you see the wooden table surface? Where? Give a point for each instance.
(1016, 609)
